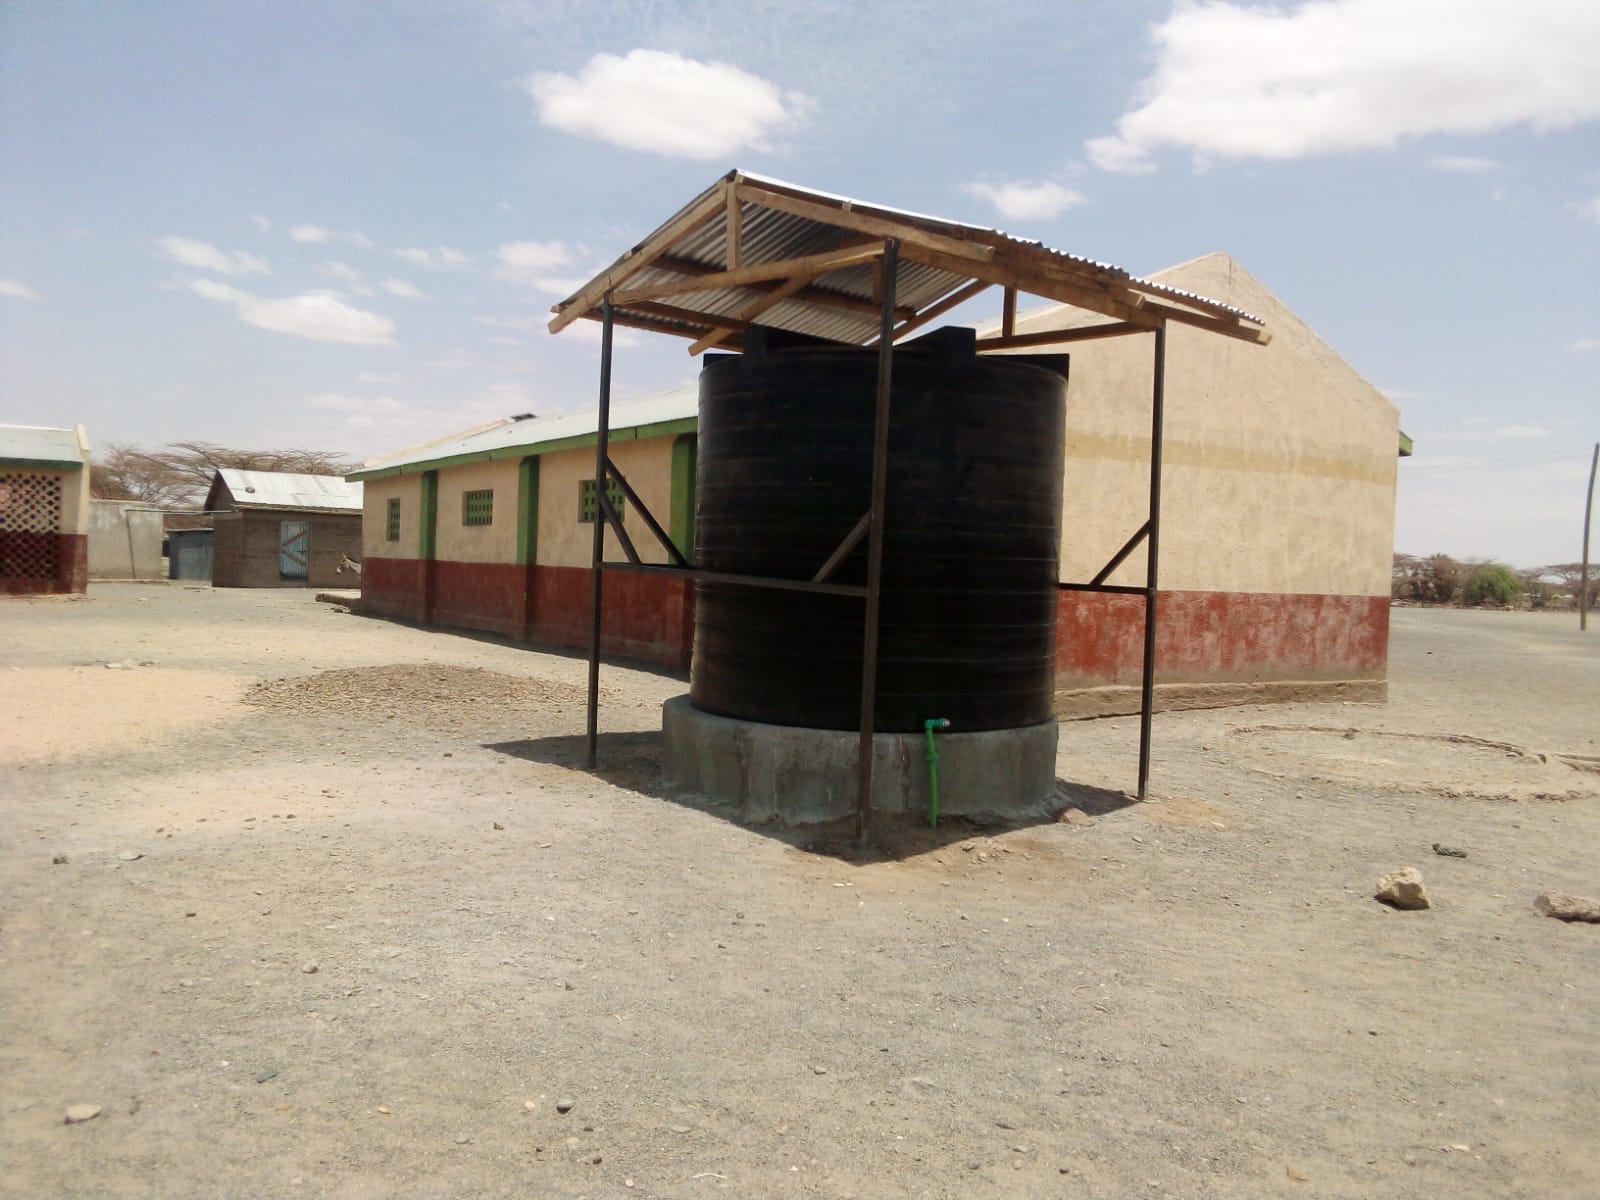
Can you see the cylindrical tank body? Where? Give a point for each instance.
(971, 534)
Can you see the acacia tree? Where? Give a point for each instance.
(178, 475)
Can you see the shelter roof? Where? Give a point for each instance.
(754, 250)
(658, 414)
(42, 448)
(286, 490)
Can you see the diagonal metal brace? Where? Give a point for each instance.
(846, 547)
(603, 502)
(1128, 548)
(639, 506)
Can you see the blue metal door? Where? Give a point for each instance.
(294, 550)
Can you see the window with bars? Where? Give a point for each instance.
(393, 530)
(586, 504)
(477, 508)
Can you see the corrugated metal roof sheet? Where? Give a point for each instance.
(282, 489)
(35, 443)
(779, 223)
(516, 439)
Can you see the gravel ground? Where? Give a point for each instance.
(339, 917)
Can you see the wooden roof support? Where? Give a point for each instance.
(877, 227)
(936, 310)
(771, 300)
(699, 211)
(810, 266)
(735, 234)
(1055, 337)
(1008, 317)
(812, 293)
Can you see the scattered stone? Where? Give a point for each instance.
(1075, 816)
(1563, 907)
(678, 1128)
(497, 825)
(130, 855)
(60, 860)
(820, 1070)
(385, 1109)
(77, 1113)
(1444, 851)
(462, 1140)
(263, 1076)
(1300, 1176)
(596, 1160)
(190, 913)
(1403, 889)
(310, 968)
(564, 1104)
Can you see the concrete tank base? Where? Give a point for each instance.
(804, 776)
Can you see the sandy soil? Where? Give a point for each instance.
(340, 918)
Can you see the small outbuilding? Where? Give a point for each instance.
(44, 510)
(278, 529)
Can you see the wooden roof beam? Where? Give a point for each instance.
(812, 293)
(809, 266)
(1056, 337)
(709, 205)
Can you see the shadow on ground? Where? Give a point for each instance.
(633, 761)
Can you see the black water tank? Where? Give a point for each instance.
(972, 533)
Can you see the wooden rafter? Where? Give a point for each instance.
(812, 293)
(809, 266)
(937, 309)
(1055, 337)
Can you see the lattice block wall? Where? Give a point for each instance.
(30, 519)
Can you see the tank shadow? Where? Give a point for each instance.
(632, 761)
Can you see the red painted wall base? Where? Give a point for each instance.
(1221, 637)
(22, 552)
(1201, 637)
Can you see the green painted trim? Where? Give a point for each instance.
(636, 433)
(528, 511)
(428, 518)
(41, 464)
(1405, 445)
(680, 511)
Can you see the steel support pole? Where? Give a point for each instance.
(1147, 689)
(602, 437)
(880, 469)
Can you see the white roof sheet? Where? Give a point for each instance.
(514, 438)
(38, 444)
(281, 489)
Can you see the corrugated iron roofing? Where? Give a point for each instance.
(769, 234)
(283, 489)
(35, 443)
(516, 439)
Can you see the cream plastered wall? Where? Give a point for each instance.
(496, 542)
(75, 490)
(1279, 461)
(375, 497)
(567, 542)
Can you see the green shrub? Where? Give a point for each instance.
(1493, 583)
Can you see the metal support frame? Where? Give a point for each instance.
(880, 471)
(1147, 685)
(602, 507)
(1150, 534)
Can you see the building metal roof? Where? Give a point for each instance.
(283, 489)
(43, 448)
(659, 414)
(755, 250)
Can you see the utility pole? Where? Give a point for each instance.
(1583, 580)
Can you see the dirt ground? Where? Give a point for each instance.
(339, 917)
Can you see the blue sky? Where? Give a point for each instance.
(341, 225)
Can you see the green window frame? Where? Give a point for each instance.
(477, 508)
(392, 531)
(586, 504)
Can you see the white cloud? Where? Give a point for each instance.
(441, 257)
(1020, 201)
(313, 235)
(1340, 75)
(1583, 345)
(262, 223)
(399, 287)
(16, 290)
(663, 103)
(206, 257)
(1465, 164)
(380, 376)
(1590, 209)
(532, 263)
(1522, 431)
(319, 316)
(341, 270)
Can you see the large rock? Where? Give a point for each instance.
(1403, 889)
(1568, 908)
